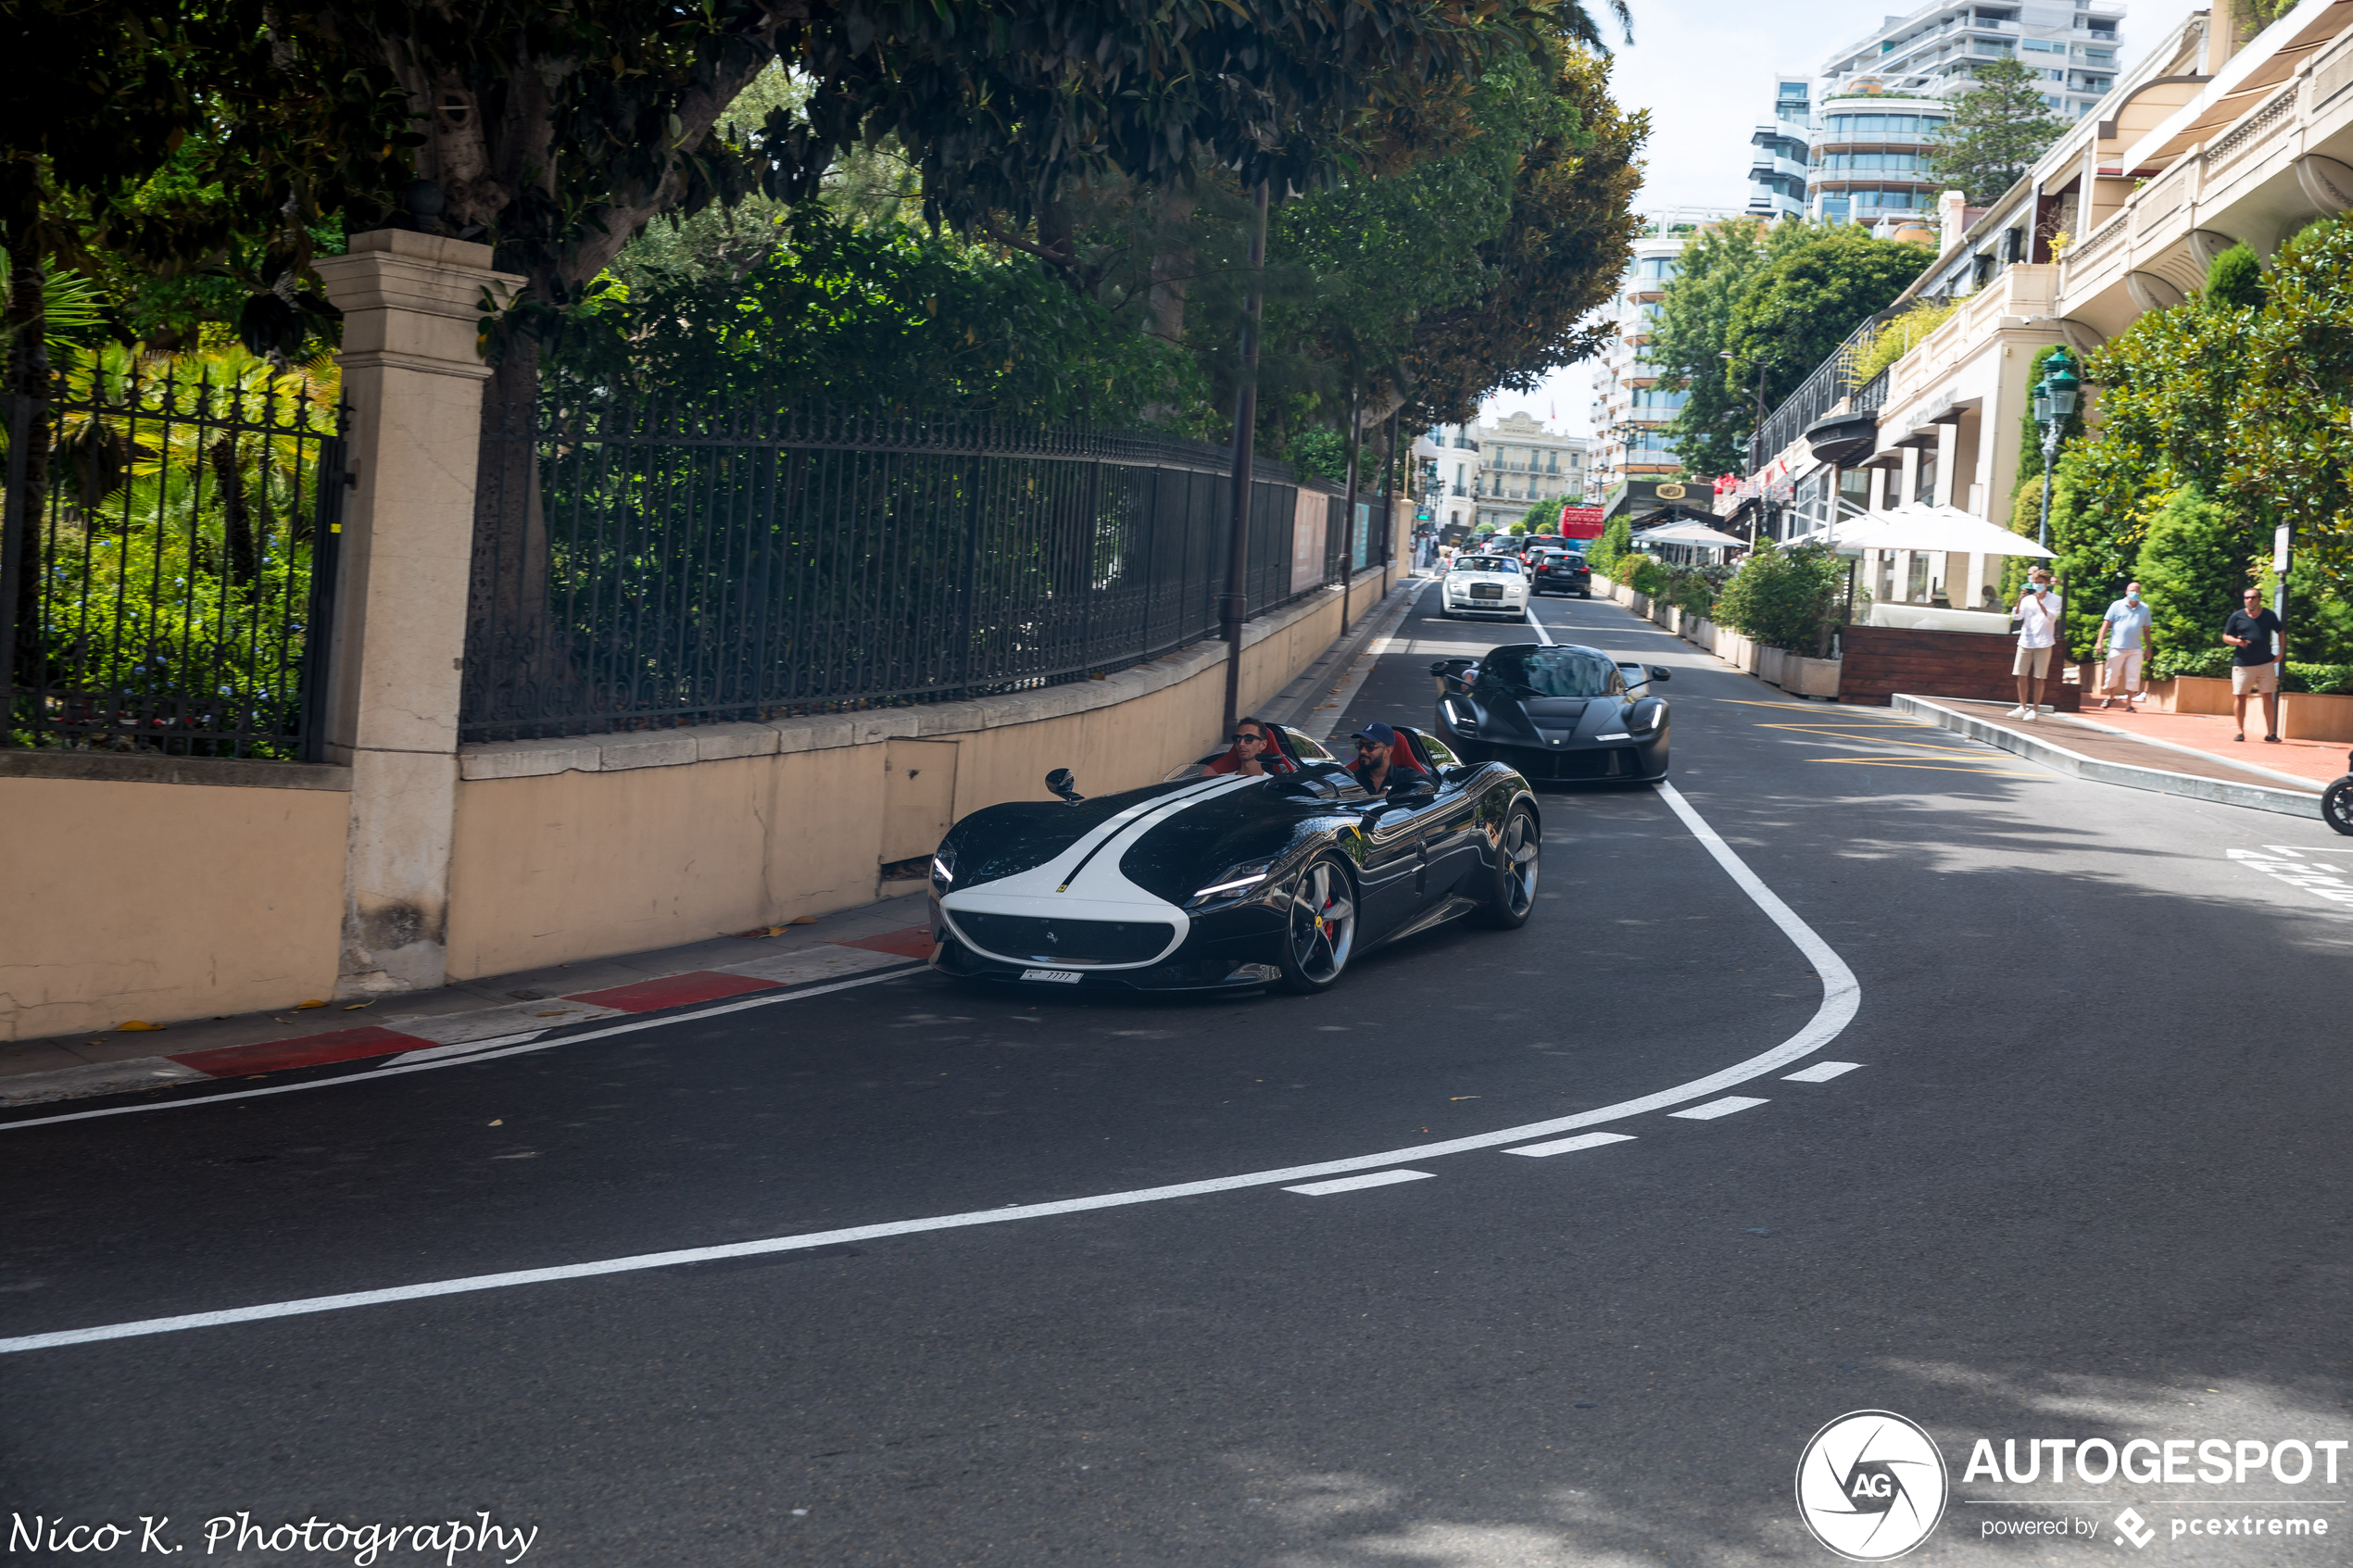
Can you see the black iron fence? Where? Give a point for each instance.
(1819, 393)
(166, 550)
(639, 566)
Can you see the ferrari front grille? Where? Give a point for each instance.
(1066, 941)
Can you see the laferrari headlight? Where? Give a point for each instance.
(943, 867)
(1464, 724)
(1236, 882)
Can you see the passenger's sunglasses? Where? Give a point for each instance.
(1369, 745)
(1248, 740)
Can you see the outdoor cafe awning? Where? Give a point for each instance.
(1919, 527)
(1691, 534)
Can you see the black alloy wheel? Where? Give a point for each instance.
(1321, 931)
(1510, 897)
(2336, 804)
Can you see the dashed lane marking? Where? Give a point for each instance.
(1716, 1108)
(1358, 1184)
(1570, 1145)
(1821, 1072)
(1841, 997)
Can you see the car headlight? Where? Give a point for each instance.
(1464, 724)
(1236, 881)
(943, 867)
(1646, 716)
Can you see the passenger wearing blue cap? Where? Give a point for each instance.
(1384, 763)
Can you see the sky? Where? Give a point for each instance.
(1705, 69)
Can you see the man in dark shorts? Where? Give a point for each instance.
(2253, 670)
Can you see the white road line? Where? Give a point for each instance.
(1821, 1072)
(1358, 1184)
(1716, 1108)
(2321, 880)
(476, 1052)
(1840, 997)
(1570, 1145)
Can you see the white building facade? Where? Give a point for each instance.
(1881, 99)
(1629, 404)
(1522, 463)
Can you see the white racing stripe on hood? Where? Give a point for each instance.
(1053, 871)
(1105, 846)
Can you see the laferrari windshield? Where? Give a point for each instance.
(1542, 671)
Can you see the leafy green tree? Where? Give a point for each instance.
(2290, 455)
(1711, 430)
(1617, 538)
(2236, 277)
(1998, 128)
(1794, 314)
(2192, 568)
(1785, 597)
(832, 312)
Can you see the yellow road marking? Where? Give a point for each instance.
(1927, 766)
(1752, 702)
(1849, 740)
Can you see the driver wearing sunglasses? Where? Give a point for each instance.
(1253, 751)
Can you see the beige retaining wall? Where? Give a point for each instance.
(577, 850)
(171, 889)
(155, 890)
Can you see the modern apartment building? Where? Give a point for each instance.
(1629, 404)
(1777, 169)
(1881, 99)
(2214, 137)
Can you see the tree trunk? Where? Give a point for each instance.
(1172, 265)
(519, 662)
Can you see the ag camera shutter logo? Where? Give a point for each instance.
(1871, 1485)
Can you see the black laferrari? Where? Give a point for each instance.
(1218, 880)
(1556, 714)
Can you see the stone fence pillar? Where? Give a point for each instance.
(413, 378)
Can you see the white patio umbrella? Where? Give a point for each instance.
(1931, 529)
(1690, 533)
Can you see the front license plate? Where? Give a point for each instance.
(1059, 977)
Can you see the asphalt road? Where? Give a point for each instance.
(2088, 1182)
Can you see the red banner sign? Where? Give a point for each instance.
(1581, 522)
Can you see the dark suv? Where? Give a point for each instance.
(1562, 571)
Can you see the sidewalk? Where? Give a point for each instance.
(2201, 765)
(2310, 761)
(474, 1015)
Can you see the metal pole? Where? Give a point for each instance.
(2050, 453)
(1233, 603)
(1348, 513)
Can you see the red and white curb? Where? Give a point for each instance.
(416, 1038)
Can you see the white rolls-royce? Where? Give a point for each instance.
(1486, 585)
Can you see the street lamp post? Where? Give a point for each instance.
(2054, 402)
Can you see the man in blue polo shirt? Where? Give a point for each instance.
(2124, 631)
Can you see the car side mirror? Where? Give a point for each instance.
(1660, 672)
(1061, 782)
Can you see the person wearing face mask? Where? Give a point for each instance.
(2124, 631)
(2040, 619)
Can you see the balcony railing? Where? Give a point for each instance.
(1831, 379)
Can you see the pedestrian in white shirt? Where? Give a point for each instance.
(2124, 632)
(2038, 628)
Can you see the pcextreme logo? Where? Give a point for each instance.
(1871, 1485)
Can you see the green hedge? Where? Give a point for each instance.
(2322, 679)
